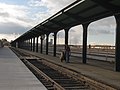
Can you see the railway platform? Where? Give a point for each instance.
(14, 75)
(102, 72)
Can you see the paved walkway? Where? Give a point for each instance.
(14, 75)
(101, 71)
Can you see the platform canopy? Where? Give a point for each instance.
(79, 12)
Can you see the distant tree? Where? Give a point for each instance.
(5, 42)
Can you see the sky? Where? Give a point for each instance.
(19, 16)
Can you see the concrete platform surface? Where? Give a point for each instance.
(14, 75)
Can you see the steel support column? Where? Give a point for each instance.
(18, 44)
(84, 51)
(47, 38)
(33, 44)
(55, 38)
(66, 36)
(29, 45)
(41, 49)
(14, 44)
(37, 44)
(117, 45)
(23, 44)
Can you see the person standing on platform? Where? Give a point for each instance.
(67, 53)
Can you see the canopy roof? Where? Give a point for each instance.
(79, 12)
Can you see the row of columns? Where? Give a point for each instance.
(84, 51)
(31, 42)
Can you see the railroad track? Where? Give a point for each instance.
(52, 79)
(57, 80)
(55, 77)
(92, 56)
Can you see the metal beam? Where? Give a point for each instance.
(74, 16)
(37, 44)
(33, 44)
(47, 38)
(84, 51)
(107, 5)
(58, 23)
(44, 29)
(41, 50)
(117, 45)
(66, 36)
(48, 27)
(36, 34)
(55, 38)
(39, 31)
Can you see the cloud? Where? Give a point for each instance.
(4, 14)
(14, 19)
(103, 26)
(14, 14)
(101, 30)
(50, 4)
(75, 35)
(9, 28)
(9, 37)
(19, 18)
(47, 8)
(40, 16)
(61, 34)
